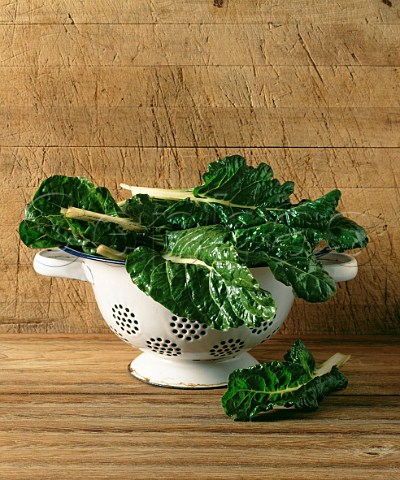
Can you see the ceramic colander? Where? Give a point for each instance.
(176, 351)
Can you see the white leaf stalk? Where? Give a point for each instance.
(87, 215)
(111, 253)
(166, 194)
(186, 261)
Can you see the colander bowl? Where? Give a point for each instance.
(176, 351)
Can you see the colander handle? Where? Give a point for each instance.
(56, 263)
(340, 266)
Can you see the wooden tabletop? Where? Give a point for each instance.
(69, 409)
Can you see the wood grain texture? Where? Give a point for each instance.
(203, 126)
(189, 87)
(168, 167)
(196, 43)
(69, 408)
(198, 11)
(150, 92)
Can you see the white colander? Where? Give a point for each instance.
(176, 351)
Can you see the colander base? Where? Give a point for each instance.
(187, 374)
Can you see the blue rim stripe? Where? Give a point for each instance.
(91, 257)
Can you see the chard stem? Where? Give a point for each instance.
(337, 360)
(166, 194)
(161, 193)
(111, 253)
(187, 261)
(87, 215)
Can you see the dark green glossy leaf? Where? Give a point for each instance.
(296, 382)
(290, 257)
(232, 181)
(199, 276)
(90, 235)
(163, 214)
(310, 217)
(315, 214)
(345, 234)
(312, 393)
(46, 232)
(59, 191)
(45, 226)
(233, 217)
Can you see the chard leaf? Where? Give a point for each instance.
(345, 234)
(45, 226)
(232, 181)
(296, 382)
(169, 214)
(289, 256)
(46, 232)
(198, 275)
(90, 235)
(314, 214)
(310, 217)
(232, 217)
(59, 191)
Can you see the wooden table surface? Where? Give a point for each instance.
(69, 409)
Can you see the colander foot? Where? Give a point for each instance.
(187, 374)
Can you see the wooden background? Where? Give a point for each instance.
(149, 91)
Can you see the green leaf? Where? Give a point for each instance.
(345, 234)
(314, 214)
(59, 191)
(290, 257)
(232, 181)
(45, 226)
(298, 354)
(90, 235)
(198, 275)
(310, 217)
(46, 232)
(161, 214)
(296, 382)
(312, 393)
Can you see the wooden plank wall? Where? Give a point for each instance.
(148, 92)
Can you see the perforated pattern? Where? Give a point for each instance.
(126, 321)
(266, 338)
(263, 327)
(227, 347)
(163, 347)
(186, 329)
(119, 334)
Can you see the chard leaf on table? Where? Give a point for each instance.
(296, 382)
(199, 276)
(289, 256)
